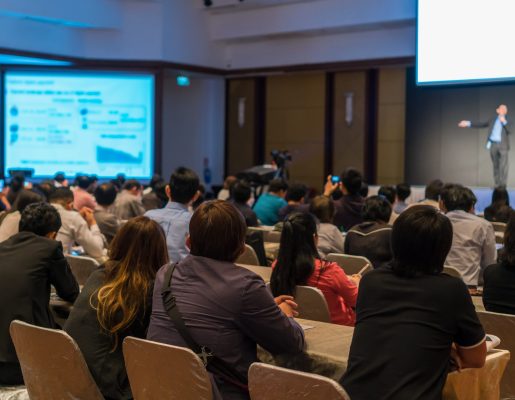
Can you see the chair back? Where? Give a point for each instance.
(82, 267)
(249, 256)
(502, 326)
(452, 271)
(161, 371)
(499, 237)
(499, 227)
(52, 365)
(350, 264)
(272, 236)
(312, 304)
(268, 382)
(254, 238)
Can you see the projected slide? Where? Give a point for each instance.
(464, 40)
(94, 123)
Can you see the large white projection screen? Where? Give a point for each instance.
(79, 122)
(465, 40)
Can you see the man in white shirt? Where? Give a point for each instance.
(473, 244)
(77, 227)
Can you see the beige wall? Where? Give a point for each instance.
(295, 121)
(391, 127)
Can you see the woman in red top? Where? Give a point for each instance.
(299, 263)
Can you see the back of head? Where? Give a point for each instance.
(217, 231)
(105, 194)
(229, 181)
(132, 184)
(508, 253)
(156, 178)
(83, 181)
(40, 218)
(277, 185)
(403, 191)
(500, 196)
(457, 197)
(62, 196)
(433, 190)
(184, 184)
(377, 209)
(389, 192)
(296, 192)
(24, 198)
(17, 183)
(45, 188)
(59, 177)
(351, 179)
(241, 192)
(322, 207)
(421, 240)
(363, 191)
(297, 252)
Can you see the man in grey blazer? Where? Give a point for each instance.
(498, 142)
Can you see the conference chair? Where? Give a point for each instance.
(52, 365)
(452, 271)
(161, 371)
(499, 237)
(249, 256)
(312, 304)
(268, 382)
(499, 227)
(82, 267)
(269, 235)
(502, 326)
(351, 264)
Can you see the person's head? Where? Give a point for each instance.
(500, 196)
(160, 191)
(229, 181)
(24, 198)
(62, 196)
(241, 192)
(296, 193)
(322, 207)
(83, 181)
(363, 192)
(457, 197)
(133, 186)
(183, 186)
(45, 188)
(279, 187)
(217, 231)
(502, 109)
(156, 178)
(17, 183)
(377, 209)
(351, 181)
(421, 240)
(136, 253)
(41, 219)
(297, 254)
(105, 194)
(388, 192)
(403, 191)
(60, 179)
(433, 190)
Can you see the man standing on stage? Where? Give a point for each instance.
(497, 142)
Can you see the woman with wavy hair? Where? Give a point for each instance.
(116, 302)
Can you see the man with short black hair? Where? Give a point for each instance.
(432, 195)
(268, 204)
(32, 261)
(128, 203)
(295, 196)
(174, 218)
(240, 195)
(105, 195)
(403, 191)
(473, 245)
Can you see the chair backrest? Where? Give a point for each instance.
(272, 236)
(350, 264)
(312, 304)
(82, 267)
(52, 365)
(452, 271)
(499, 226)
(268, 382)
(499, 237)
(161, 371)
(248, 257)
(502, 326)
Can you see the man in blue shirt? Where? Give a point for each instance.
(268, 204)
(175, 217)
(498, 142)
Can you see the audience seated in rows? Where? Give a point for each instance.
(174, 218)
(330, 239)
(268, 204)
(81, 196)
(155, 195)
(349, 206)
(372, 238)
(298, 263)
(240, 196)
(389, 193)
(108, 223)
(473, 245)
(128, 202)
(411, 319)
(431, 195)
(225, 192)
(10, 220)
(77, 226)
(32, 260)
(295, 198)
(224, 307)
(116, 302)
(403, 191)
(499, 210)
(499, 279)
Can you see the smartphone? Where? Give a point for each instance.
(335, 179)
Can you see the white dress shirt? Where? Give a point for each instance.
(10, 225)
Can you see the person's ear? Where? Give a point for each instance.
(51, 235)
(195, 198)
(168, 192)
(69, 205)
(188, 241)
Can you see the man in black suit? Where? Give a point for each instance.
(31, 261)
(497, 142)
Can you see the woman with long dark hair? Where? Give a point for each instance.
(499, 210)
(10, 220)
(116, 302)
(299, 263)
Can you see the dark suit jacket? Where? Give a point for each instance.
(505, 140)
(29, 264)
